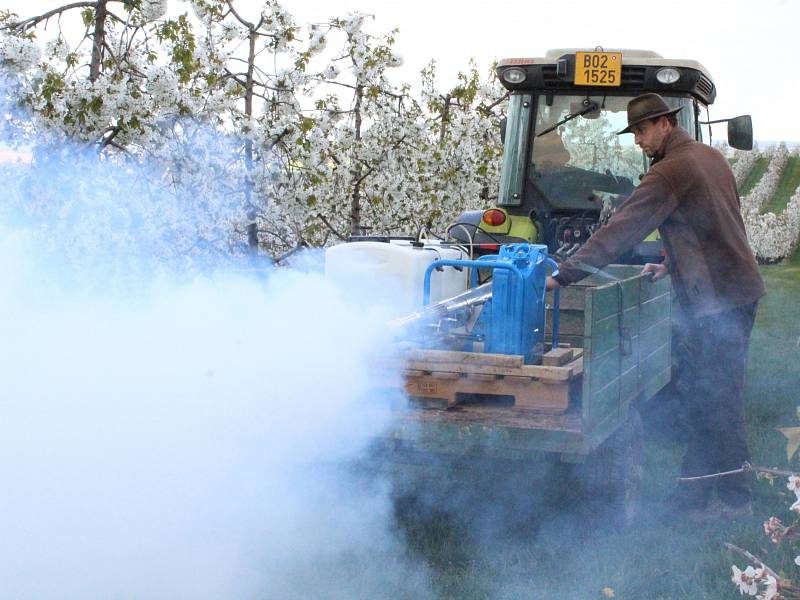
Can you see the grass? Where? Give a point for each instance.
(756, 173)
(789, 182)
(560, 557)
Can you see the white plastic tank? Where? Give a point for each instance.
(395, 270)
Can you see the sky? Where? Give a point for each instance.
(746, 45)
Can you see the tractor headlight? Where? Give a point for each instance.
(668, 75)
(514, 75)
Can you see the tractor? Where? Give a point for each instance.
(494, 367)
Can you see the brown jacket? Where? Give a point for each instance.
(690, 196)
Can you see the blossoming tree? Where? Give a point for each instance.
(299, 128)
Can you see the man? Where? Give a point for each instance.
(554, 176)
(689, 194)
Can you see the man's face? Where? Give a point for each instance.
(650, 135)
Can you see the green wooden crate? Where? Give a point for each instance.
(624, 327)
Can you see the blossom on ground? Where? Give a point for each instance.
(775, 530)
(749, 581)
(770, 590)
(762, 582)
(796, 506)
(745, 580)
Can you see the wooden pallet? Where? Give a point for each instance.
(447, 376)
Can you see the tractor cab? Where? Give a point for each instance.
(565, 170)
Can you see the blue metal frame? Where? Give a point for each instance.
(492, 262)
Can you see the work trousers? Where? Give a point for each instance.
(711, 383)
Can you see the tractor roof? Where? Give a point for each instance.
(638, 63)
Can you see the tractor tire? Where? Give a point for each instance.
(611, 477)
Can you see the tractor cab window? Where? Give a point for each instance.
(581, 159)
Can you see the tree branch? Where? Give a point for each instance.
(487, 109)
(241, 19)
(745, 468)
(110, 139)
(322, 79)
(117, 146)
(33, 21)
(330, 227)
(750, 557)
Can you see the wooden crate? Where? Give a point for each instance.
(447, 378)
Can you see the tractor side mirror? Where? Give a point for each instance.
(503, 125)
(740, 132)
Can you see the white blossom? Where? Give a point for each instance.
(308, 159)
(331, 72)
(317, 43)
(745, 160)
(745, 580)
(18, 54)
(770, 591)
(353, 23)
(203, 11)
(162, 85)
(57, 48)
(152, 10)
(395, 60)
(755, 200)
(772, 236)
(793, 485)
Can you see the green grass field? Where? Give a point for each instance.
(758, 170)
(786, 188)
(562, 558)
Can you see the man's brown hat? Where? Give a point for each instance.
(645, 107)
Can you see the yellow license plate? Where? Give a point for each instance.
(598, 68)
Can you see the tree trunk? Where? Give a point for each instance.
(445, 118)
(252, 226)
(358, 177)
(98, 40)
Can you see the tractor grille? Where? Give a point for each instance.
(704, 86)
(551, 80)
(633, 77)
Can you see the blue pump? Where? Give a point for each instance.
(512, 321)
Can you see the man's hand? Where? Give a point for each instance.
(659, 271)
(552, 284)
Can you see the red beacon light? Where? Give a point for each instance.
(494, 217)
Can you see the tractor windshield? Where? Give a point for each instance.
(576, 152)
